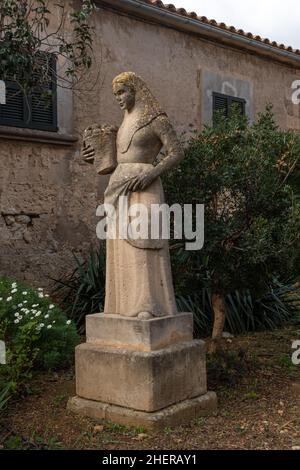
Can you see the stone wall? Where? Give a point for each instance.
(48, 196)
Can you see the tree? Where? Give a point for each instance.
(241, 173)
(30, 46)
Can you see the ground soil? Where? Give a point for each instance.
(259, 406)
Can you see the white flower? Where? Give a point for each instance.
(20, 317)
(41, 295)
(1, 298)
(38, 314)
(53, 322)
(25, 301)
(46, 295)
(41, 325)
(47, 316)
(14, 290)
(51, 306)
(40, 288)
(34, 311)
(17, 320)
(8, 299)
(48, 327)
(24, 292)
(20, 305)
(68, 322)
(17, 314)
(35, 305)
(14, 284)
(31, 318)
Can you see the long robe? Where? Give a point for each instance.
(138, 272)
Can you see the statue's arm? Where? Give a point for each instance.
(172, 147)
(164, 131)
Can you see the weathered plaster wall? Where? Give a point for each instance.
(48, 196)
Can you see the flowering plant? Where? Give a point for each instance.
(37, 334)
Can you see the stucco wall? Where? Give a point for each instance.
(58, 193)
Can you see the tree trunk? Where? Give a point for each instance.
(219, 310)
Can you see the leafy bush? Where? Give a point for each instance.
(83, 292)
(244, 312)
(244, 175)
(37, 334)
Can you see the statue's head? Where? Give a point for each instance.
(130, 90)
(125, 95)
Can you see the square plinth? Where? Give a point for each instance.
(145, 381)
(131, 333)
(174, 415)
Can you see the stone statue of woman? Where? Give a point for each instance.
(138, 272)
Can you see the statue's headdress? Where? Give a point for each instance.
(150, 108)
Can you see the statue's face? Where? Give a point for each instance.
(125, 96)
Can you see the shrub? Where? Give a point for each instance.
(245, 312)
(83, 291)
(244, 175)
(37, 334)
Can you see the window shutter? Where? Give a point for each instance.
(13, 112)
(223, 103)
(240, 104)
(220, 103)
(42, 110)
(36, 111)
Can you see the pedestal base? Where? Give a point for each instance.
(144, 381)
(174, 415)
(142, 373)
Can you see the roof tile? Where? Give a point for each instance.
(203, 19)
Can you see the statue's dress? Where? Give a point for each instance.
(138, 272)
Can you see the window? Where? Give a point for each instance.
(34, 111)
(224, 102)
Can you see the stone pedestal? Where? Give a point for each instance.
(147, 373)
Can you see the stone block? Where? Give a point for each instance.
(174, 415)
(131, 333)
(145, 381)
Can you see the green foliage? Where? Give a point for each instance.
(83, 291)
(245, 312)
(26, 29)
(242, 174)
(37, 334)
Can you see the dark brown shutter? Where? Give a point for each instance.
(13, 112)
(223, 103)
(42, 109)
(239, 103)
(220, 103)
(35, 111)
